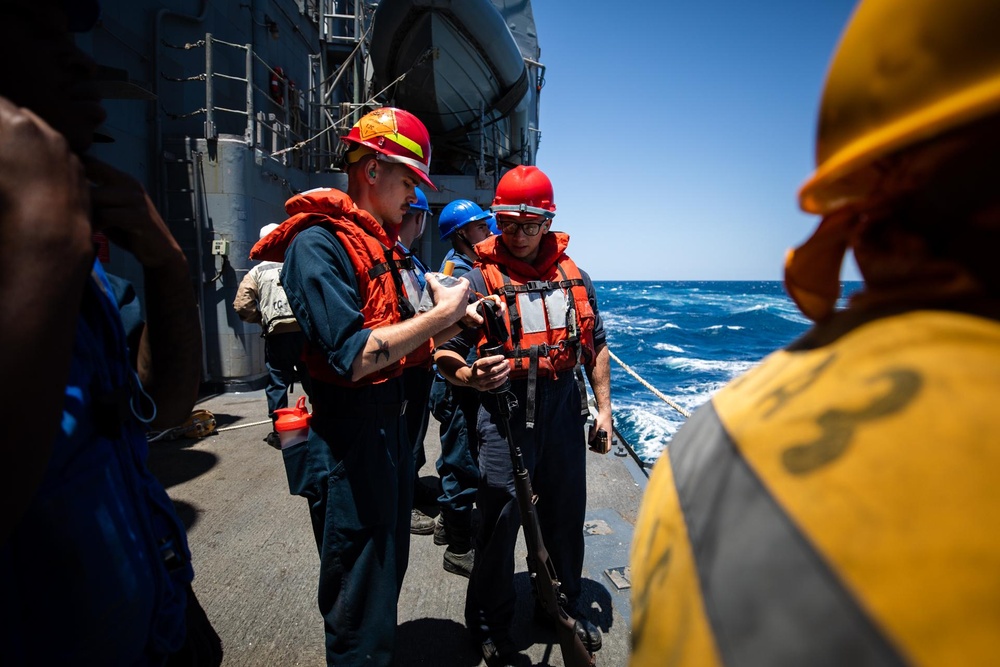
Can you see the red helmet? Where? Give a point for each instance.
(524, 190)
(395, 136)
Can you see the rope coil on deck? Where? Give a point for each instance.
(648, 386)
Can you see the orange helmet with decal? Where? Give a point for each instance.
(394, 135)
(525, 191)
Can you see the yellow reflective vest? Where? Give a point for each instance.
(834, 506)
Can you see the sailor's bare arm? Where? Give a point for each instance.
(387, 345)
(169, 354)
(599, 374)
(46, 254)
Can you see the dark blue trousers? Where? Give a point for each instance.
(555, 455)
(456, 408)
(282, 354)
(356, 471)
(417, 387)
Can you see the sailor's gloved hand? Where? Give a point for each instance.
(123, 211)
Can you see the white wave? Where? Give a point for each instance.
(616, 322)
(651, 431)
(752, 309)
(693, 395)
(730, 367)
(667, 347)
(731, 327)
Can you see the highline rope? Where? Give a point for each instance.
(656, 392)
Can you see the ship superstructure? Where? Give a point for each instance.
(225, 109)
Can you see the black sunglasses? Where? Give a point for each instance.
(510, 226)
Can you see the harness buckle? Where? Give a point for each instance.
(536, 286)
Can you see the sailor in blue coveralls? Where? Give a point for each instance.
(465, 224)
(555, 329)
(356, 468)
(417, 374)
(96, 567)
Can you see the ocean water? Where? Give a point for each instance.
(687, 339)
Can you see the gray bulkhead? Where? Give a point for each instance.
(224, 109)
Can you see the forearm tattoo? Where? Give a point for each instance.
(383, 348)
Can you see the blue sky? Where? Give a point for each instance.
(677, 134)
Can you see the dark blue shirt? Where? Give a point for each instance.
(462, 263)
(322, 290)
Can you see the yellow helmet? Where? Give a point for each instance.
(905, 71)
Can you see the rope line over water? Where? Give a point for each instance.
(656, 392)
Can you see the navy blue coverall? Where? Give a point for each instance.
(356, 468)
(456, 409)
(555, 455)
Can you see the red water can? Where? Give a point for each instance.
(292, 424)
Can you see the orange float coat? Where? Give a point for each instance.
(369, 249)
(548, 314)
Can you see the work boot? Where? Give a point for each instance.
(501, 653)
(459, 563)
(440, 534)
(420, 523)
(459, 556)
(589, 633)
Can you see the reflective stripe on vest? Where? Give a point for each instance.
(541, 311)
(411, 286)
(538, 316)
(837, 505)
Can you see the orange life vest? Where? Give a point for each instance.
(548, 315)
(367, 246)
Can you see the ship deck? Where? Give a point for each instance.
(256, 564)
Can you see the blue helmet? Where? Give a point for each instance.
(421, 203)
(458, 214)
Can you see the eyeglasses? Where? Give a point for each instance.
(510, 226)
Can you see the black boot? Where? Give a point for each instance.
(589, 633)
(440, 534)
(459, 556)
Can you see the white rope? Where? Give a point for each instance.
(233, 428)
(648, 386)
(178, 430)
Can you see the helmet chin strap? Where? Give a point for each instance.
(468, 250)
